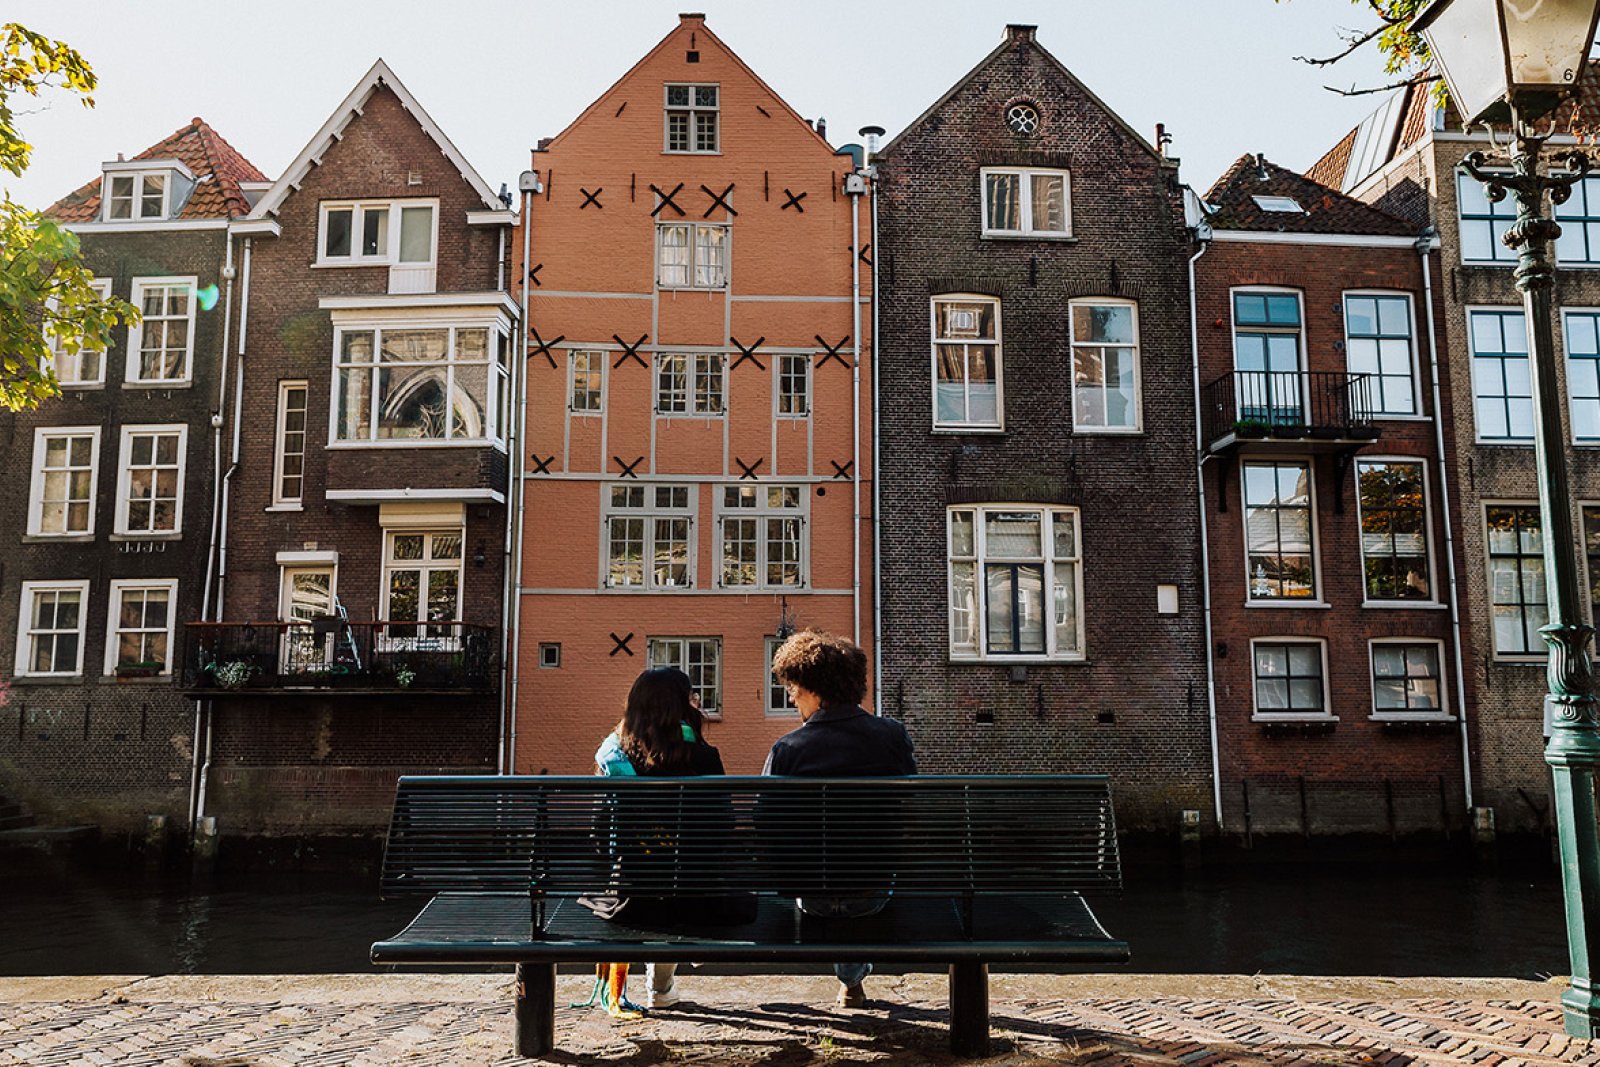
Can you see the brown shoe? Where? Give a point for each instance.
(851, 996)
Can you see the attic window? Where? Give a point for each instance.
(1023, 119)
(1282, 204)
(136, 196)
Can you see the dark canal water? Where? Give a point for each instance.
(1346, 920)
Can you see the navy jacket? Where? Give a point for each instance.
(843, 741)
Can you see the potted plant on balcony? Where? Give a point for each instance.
(404, 675)
(234, 674)
(1251, 428)
(140, 669)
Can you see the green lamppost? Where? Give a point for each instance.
(1511, 62)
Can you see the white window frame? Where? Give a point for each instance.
(280, 450)
(25, 616)
(1257, 715)
(136, 211)
(1073, 305)
(1302, 344)
(692, 249)
(1500, 310)
(495, 379)
(1442, 712)
(36, 487)
(696, 405)
(764, 513)
(125, 477)
(428, 566)
(102, 289)
(1573, 399)
(776, 702)
(1026, 186)
(114, 613)
(1538, 655)
(780, 379)
(136, 332)
(712, 709)
(1414, 375)
(1315, 598)
(390, 256)
(692, 110)
(650, 510)
(978, 651)
(589, 355)
(1432, 599)
(998, 347)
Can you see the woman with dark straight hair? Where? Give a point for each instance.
(662, 734)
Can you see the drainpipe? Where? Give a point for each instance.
(854, 189)
(877, 482)
(1203, 233)
(528, 183)
(1425, 246)
(513, 480)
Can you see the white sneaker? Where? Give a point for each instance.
(661, 998)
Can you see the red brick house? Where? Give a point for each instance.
(1340, 704)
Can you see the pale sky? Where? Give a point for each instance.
(497, 76)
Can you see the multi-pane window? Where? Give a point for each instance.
(150, 486)
(1018, 202)
(1105, 365)
(160, 346)
(1591, 549)
(794, 385)
(421, 580)
(1266, 357)
(1394, 530)
(777, 694)
(307, 595)
(1289, 678)
(1406, 678)
(1279, 559)
(50, 628)
(690, 383)
(1516, 578)
(139, 633)
(378, 232)
(698, 657)
(691, 118)
(86, 365)
(1583, 373)
(966, 361)
(136, 196)
(404, 384)
(61, 502)
(692, 255)
(1580, 224)
(649, 537)
(1016, 582)
(1502, 392)
(1483, 223)
(1377, 331)
(289, 462)
(587, 393)
(763, 535)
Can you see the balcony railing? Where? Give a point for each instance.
(1250, 404)
(335, 654)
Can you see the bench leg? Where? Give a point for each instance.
(536, 1008)
(969, 1009)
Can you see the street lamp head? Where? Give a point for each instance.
(1503, 55)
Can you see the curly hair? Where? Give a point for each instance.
(832, 667)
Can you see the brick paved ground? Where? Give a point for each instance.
(1123, 1019)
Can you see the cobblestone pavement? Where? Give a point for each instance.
(428, 1020)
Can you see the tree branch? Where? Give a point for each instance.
(1388, 19)
(1354, 43)
(1353, 91)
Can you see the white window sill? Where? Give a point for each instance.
(81, 387)
(1520, 442)
(791, 715)
(48, 679)
(690, 152)
(1379, 416)
(1520, 660)
(692, 288)
(1493, 262)
(1108, 431)
(648, 590)
(1297, 604)
(968, 429)
(345, 264)
(669, 415)
(1044, 235)
(1020, 661)
(1412, 716)
(1403, 605)
(176, 383)
(586, 413)
(1270, 717)
(162, 535)
(41, 539)
(807, 415)
(284, 507)
(421, 442)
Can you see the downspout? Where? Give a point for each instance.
(528, 183)
(1425, 246)
(514, 478)
(877, 482)
(854, 190)
(1203, 233)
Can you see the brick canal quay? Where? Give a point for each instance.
(426, 1019)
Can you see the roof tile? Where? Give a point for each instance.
(216, 163)
(1325, 211)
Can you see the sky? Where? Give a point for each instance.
(497, 76)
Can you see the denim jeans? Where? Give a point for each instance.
(846, 908)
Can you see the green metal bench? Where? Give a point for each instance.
(984, 870)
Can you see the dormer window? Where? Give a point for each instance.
(144, 190)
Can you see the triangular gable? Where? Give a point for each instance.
(379, 75)
(700, 27)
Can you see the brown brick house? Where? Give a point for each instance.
(1039, 591)
(356, 628)
(106, 544)
(1339, 697)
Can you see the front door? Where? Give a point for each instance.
(308, 595)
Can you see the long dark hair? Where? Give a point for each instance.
(651, 730)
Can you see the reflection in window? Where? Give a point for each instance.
(1394, 530)
(429, 384)
(1502, 391)
(1289, 678)
(1105, 357)
(966, 355)
(1516, 579)
(1277, 524)
(1014, 582)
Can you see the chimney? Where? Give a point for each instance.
(822, 127)
(1019, 32)
(1261, 166)
(692, 16)
(1163, 139)
(872, 135)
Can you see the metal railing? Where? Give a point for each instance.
(335, 653)
(1253, 403)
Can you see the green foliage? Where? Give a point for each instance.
(46, 299)
(1405, 54)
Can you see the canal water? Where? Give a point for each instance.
(1368, 919)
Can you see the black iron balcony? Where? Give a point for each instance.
(367, 657)
(1305, 407)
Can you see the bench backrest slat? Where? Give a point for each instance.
(926, 834)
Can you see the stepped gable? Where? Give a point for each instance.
(217, 164)
(1233, 205)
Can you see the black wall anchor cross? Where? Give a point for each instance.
(630, 351)
(621, 644)
(542, 466)
(842, 470)
(628, 468)
(719, 200)
(591, 198)
(666, 200)
(533, 274)
(748, 353)
(793, 202)
(544, 346)
(748, 470)
(833, 351)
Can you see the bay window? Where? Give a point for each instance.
(396, 384)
